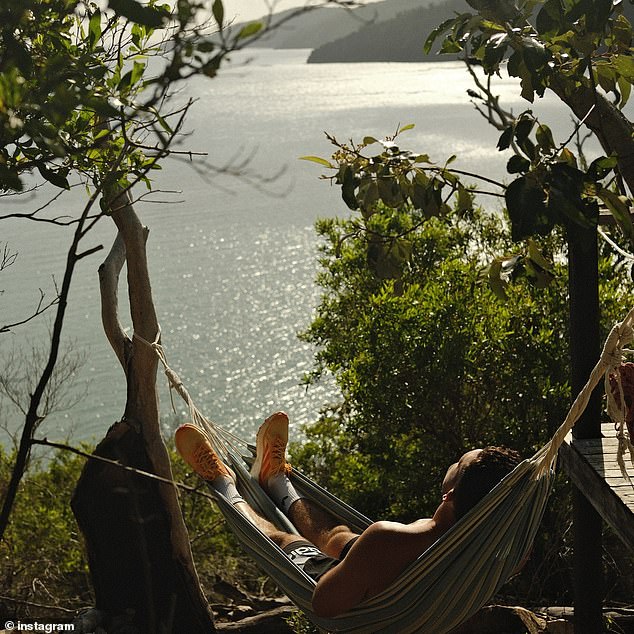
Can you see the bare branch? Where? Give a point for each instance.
(497, 116)
(20, 369)
(85, 254)
(115, 463)
(39, 309)
(109, 273)
(36, 605)
(8, 257)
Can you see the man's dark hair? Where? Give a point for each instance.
(481, 475)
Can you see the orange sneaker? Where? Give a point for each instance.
(196, 450)
(270, 456)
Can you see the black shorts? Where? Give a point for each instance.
(311, 560)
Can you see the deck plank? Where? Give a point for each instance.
(592, 466)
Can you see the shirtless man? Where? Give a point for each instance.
(347, 567)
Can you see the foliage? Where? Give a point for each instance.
(431, 363)
(76, 93)
(42, 558)
(396, 178)
(581, 50)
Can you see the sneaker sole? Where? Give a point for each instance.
(277, 419)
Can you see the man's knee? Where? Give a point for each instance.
(337, 539)
(282, 539)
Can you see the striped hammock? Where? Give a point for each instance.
(461, 571)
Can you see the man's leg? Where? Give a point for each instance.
(196, 450)
(272, 470)
(320, 527)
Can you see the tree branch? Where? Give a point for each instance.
(108, 286)
(40, 308)
(115, 463)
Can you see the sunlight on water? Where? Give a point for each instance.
(233, 260)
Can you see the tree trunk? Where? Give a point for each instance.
(138, 547)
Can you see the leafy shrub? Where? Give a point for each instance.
(431, 364)
(42, 558)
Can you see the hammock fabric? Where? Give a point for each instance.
(462, 570)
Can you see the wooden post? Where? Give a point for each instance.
(584, 352)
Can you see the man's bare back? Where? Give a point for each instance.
(382, 553)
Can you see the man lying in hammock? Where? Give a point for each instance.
(347, 567)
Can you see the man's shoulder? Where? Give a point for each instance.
(386, 529)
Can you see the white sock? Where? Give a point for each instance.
(227, 488)
(283, 492)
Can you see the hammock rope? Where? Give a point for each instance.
(460, 572)
(611, 358)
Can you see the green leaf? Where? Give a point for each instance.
(619, 208)
(318, 160)
(450, 46)
(57, 178)
(625, 87)
(218, 11)
(125, 82)
(162, 122)
(568, 157)
(94, 28)
(536, 256)
(101, 107)
(464, 200)
(348, 185)
(624, 64)
(504, 142)
(250, 29)
(369, 140)
(523, 127)
(601, 167)
(409, 126)
(9, 180)
(622, 32)
(418, 195)
(540, 277)
(550, 18)
(389, 191)
(433, 36)
(606, 76)
(136, 12)
(205, 46)
(496, 282)
(495, 51)
(517, 165)
(544, 138)
(369, 193)
(527, 210)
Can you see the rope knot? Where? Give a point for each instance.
(626, 333)
(612, 359)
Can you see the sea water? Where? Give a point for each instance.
(232, 248)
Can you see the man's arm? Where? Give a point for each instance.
(346, 585)
(376, 559)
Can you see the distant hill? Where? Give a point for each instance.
(401, 37)
(398, 39)
(319, 26)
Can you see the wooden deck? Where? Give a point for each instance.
(591, 465)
